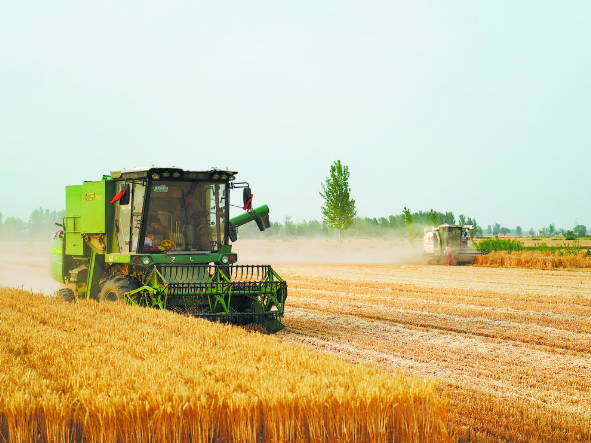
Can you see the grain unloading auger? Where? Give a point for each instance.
(160, 237)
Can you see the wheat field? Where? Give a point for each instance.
(89, 372)
(511, 347)
(533, 260)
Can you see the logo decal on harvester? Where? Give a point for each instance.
(161, 188)
(90, 196)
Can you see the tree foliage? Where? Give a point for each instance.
(41, 225)
(580, 230)
(569, 235)
(496, 229)
(433, 218)
(411, 232)
(392, 226)
(449, 218)
(339, 210)
(407, 216)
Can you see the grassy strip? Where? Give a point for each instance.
(509, 245)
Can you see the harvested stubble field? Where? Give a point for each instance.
(512, 347)
(89, 372)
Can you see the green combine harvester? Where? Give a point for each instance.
(160, 237)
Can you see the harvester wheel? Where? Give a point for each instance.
(66, 294)
(115, 288)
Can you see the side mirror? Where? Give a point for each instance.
(247, 199)
(124, 200)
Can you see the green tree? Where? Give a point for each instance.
(551, 229)
(449, 218)
(477, 229)
(396, 221)
(12, 228)
(315, 228)
(433, 218)
(42, 222)
(290, 229)
(496, 229)
(518, 230)
(489, 230)
(579, 230)
(339, 210)
(531, 232)
(408, 221)
(569, 235)
(504, 231)
(462, 220)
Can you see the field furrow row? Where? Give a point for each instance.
(452, 320)
(514, 359)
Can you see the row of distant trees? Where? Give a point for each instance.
(577, 232)
(41, 225)
(408, 224)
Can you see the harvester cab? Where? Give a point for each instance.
(449, 244)
(161, 237)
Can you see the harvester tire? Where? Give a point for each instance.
(115, 287)
(66, 294)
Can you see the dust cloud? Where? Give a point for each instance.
(25, 264)
(322, 250)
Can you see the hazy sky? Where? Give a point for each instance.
(481, 108)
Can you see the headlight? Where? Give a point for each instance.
(166, 174)
(155, 176)
(146, 260)
(225, 259)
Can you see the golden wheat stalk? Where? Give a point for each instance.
(111, 372)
